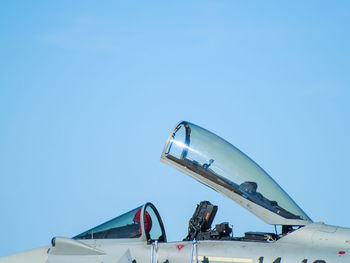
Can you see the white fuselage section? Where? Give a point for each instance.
(314, 243)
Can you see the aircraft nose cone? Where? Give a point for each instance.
(38, 255)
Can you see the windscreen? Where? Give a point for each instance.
(219, 162)
(124, 226)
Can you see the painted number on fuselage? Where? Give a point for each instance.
(279, 260)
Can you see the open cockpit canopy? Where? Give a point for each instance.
(143, 222)
(221, 166)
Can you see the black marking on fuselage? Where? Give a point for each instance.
(205, 260)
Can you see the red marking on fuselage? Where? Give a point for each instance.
(179, 247)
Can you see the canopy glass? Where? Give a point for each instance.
(218, 164)
(130, 225)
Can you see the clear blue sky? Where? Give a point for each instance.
(89, 91)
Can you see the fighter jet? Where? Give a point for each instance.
(138, 236)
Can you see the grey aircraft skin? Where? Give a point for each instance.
(138, 236)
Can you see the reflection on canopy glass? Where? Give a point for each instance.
(216, 160)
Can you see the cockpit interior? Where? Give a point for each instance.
(221, 166)
(146, 219)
